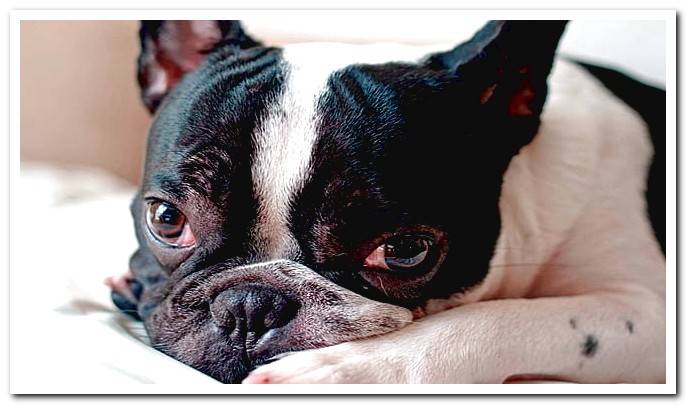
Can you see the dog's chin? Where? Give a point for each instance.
(225, 355)
(232, 372)
(226, 364)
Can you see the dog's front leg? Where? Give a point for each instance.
(602, 338)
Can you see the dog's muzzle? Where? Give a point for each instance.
(226, 321)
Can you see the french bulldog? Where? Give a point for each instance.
(333, 213)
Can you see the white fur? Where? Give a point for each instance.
(285, 140)
(576, 258)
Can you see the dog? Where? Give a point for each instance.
(332, 213)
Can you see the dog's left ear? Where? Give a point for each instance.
(504, 67)
(170, 49)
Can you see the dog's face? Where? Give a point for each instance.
(304, 196)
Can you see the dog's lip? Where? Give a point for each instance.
(257, 346)
(260, 353)
(255, 349)
(246, 343)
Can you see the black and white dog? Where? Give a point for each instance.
(382, 213)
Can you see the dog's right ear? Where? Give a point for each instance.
(170, 49)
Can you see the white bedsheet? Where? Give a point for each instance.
(69, 230)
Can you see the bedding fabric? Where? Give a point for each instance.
(70, 230)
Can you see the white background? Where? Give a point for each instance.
(637, 47)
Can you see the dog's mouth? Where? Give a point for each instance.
(226, 352)
(224, 357)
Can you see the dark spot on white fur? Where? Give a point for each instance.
(590, 346)
(630, 326)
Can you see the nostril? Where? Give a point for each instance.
(222, 313)
(281, 311)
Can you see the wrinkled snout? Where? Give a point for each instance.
(226, 321)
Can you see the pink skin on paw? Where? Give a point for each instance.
(257, 378)
(120, 284)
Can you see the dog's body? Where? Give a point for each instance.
(292, 170)
(560, 193)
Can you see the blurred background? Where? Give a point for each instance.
(79, 99)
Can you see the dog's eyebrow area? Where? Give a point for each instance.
(166, 184)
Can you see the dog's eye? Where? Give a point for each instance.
(401, 253)
(169, 225)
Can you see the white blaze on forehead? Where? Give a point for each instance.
(285, 139)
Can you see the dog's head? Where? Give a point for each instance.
(303, 196)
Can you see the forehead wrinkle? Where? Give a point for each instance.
(166, 183)
(207, 170)
(215, 107)
(222, 70)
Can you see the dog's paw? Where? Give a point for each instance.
(126, 292)
(359, 362)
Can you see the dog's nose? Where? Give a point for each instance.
(258, 308)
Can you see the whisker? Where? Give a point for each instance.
(381, 285)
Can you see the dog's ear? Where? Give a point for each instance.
(170, 49)
(504, 67)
